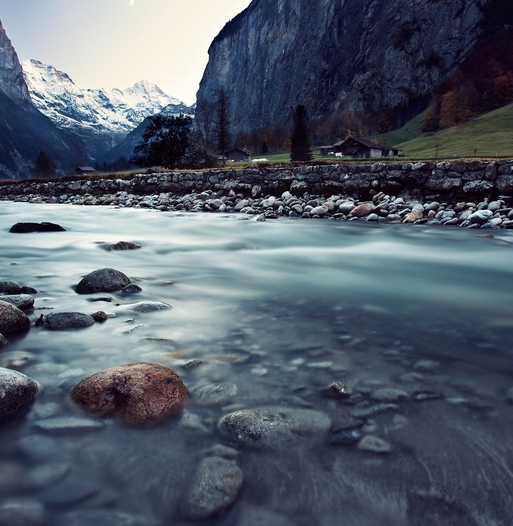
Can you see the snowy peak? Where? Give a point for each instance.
(92, 114)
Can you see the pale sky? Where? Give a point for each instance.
(116, 43)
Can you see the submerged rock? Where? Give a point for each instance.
(143, 393)
(389, 394)
(509, 395)
(336, 390)
(272, 427)
(102, 280)
(149, 306)
(12, 318)
(103, 518)
(131, 289)
(214, 393)
(21, 512)
(26, 228)
(374, 444)
(216, 485)
(3, 340)
(122, 245)
(16, 392)
(59, 321)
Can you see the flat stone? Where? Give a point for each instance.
(143, 393)
(103, 518)
(389, 395)
(102, 280)
(46, 475)
(26, 228)
(11, 318)
(22, 301)
(374, 444)
(149, 306)
(214, 393)
(273, 427)
(62, 424)
(216, 485)
(16, 392)
(22, 512)
(59, 321)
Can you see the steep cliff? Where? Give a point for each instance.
(337, 55)
(24, 131)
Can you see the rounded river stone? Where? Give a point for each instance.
(12, 318)
(103, 280)
(143, 393)
(59, 321)
(272, 427)
(22, 301)
(16, 392)
(216, 485)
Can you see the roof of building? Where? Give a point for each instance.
(365, 142)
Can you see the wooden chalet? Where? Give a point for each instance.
(84, 170)
(358, 148)
(234, 155)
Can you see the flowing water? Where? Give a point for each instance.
(280, 309)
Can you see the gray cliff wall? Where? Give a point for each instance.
(12, 81)
(421, 181)
(336, 55)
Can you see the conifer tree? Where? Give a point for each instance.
(222, 123)
(300, 142)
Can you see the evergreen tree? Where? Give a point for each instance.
(300, 143)
(165, 142)
(222, 123)
(44, 166)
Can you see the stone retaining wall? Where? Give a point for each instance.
(422, 181)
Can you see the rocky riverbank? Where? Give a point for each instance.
(472, 194)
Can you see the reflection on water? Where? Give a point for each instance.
(280, 310)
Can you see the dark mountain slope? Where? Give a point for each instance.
(339, 55)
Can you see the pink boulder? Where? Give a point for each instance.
(143, 393)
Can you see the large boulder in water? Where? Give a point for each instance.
(22, 301)
(26, 228)
(12, 318)
(103, 280)
(16, 392)
(143, 393)
(9, 287)
(215, 486)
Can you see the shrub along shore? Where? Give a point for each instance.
(473, 194)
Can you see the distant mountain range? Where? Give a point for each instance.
(98, 118)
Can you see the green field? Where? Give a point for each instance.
(489, 135)
(411, 130)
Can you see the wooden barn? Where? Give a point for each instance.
(359, 148)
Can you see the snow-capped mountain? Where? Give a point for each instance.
(100, 118)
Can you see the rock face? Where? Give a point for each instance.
(16, 392)
(215, 486)
(335, 55)
(12, 318)
(103, 280)
(24, 130)
(143, 393)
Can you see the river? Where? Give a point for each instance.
(280, 309)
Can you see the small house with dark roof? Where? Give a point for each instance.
(235, 155)
(359, 148)
(84, 170)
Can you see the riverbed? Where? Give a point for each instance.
(275, 311)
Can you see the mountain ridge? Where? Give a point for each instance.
(98, 118)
